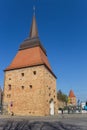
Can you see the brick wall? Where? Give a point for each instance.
(28, 91)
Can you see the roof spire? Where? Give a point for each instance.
(34, 30)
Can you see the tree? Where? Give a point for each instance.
(62, 97)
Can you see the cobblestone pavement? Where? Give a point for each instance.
(44, 123)
(25, 125)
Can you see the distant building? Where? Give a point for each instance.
(30, 84)
(83, 104)
(71, 98)
(1, 96)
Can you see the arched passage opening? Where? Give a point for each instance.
(51, 107)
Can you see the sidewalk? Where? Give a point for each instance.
(46, 118)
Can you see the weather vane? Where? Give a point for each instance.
(34, 9)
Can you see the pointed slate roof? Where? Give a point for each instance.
(71, 94)
(34, 30)
(31, 52)
(33, 39)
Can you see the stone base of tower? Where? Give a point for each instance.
(31, 113)
(26, 111)
(30, 91)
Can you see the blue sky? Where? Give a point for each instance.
(62, 26)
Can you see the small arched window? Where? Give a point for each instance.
(22, 74)
(30, 86)
(9, 86)
(22, 87)
(34, 72)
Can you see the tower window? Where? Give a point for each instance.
(8, 95)
(49, 88)
(49, 94)
(30, 86)
(34, 72)
(22, 74)
(9, 78)
(11, 105)
(22, 87)
(9, 86)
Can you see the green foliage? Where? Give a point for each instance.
(62, 97)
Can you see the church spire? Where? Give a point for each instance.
(33, 39)
(34, 30)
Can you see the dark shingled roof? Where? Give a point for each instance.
(32, 42)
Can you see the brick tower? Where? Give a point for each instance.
(29, 83)
(71, 98)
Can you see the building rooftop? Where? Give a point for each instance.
(71, 94)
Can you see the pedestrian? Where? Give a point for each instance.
(68, 110)
(62, 110)
(12, 113)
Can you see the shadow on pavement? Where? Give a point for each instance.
(26, 125)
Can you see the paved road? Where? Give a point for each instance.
(61, 122)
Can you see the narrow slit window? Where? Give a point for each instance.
(22, 87)
(9, 86)
(49, 88)
(11, 105)
(34, 72)
(30, 86)
(22, 74)
(8, 95)
(49, 94)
